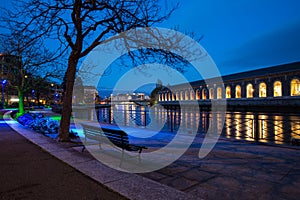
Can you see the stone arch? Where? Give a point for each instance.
(219, 93)
(204, 93)
(198, 96)
(228, 92)
(295, 87)
(186, 95)
(181, 96)
(192, 95)
(238, 91)
(262, 89)
(277, 89)
(211, 93)
(250, 90)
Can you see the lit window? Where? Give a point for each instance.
(186, 95)
(181, 95)
(177, 96)
(169, 97)
(192, 95)
(295, 87)
(250, 90)
(238, 93)
(197, 94)
(262, 90)
(162, 97)
(204, 94)
(211, 93)
(166, 97)
(219, 93)
(228, 92)
(277, 89)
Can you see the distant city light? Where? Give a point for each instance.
(14, 100)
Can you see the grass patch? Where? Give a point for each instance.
(56, 118)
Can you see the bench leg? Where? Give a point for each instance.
(83, 148)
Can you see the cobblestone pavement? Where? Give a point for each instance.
(232, 170)
(28, 172)
(235, 170)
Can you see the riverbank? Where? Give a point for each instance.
(232, 170)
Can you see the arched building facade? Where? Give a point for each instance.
(279, 82)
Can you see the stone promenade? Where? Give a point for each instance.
(232, 170)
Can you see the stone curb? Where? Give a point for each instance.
(129, 185)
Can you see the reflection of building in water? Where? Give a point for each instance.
(129, 97)
(269, 85)
(262, 127)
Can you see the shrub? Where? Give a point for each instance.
(41, 124)
(25, 119)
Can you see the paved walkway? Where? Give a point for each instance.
(28, 172)
(233, 170)
(236, 170)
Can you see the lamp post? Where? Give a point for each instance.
(56, 94)
(32, 98)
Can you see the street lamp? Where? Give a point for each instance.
(32, 98)
(56, 95)
(3, 83)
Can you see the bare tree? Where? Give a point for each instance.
(29, 59)
(80, 26)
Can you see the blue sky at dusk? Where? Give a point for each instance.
(239, 35)
(243, 35)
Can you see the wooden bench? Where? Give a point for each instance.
(117, 138)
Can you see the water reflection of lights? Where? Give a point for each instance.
(278, 129)
(264, 127)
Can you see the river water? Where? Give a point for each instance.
(277, 128)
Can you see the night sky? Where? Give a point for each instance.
(243, 35)
(239, 35)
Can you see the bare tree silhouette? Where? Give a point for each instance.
(29, 60)
(79, 26)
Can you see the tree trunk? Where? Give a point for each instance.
(21, 102)
(68, 96)
(38, 99)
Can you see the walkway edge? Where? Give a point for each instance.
(129, 185)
